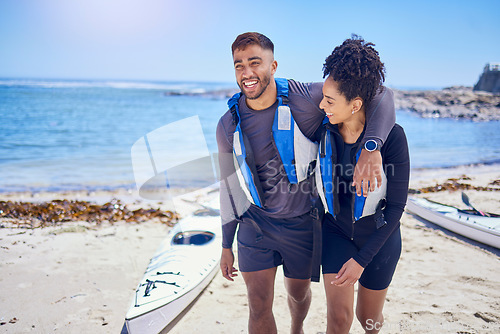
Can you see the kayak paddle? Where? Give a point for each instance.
(466, 200)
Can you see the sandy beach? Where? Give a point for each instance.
(80, 277)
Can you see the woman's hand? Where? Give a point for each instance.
(349, 273)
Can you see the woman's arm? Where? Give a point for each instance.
(397, 169)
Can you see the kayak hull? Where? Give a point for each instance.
(482, 229)
(180, 270)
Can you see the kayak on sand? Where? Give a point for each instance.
(185, 263)
(472, 224)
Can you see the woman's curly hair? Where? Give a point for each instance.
(356, 67)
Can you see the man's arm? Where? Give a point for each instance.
(227, 210)
(228, 232)
(380, 118)
(304, 102)
(225, 156)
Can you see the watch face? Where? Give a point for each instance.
(370, 145)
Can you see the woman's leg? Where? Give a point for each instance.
(369, 308)
(374, 283)
(339, 302)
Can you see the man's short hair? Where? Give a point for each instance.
(252, 38)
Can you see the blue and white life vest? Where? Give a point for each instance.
(363, 206)
(296, 151)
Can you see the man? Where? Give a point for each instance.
(267, 161)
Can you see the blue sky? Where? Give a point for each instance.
(423, 43)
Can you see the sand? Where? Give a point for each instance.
(80, 278)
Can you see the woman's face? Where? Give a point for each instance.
(334, 103)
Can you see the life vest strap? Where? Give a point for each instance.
(287, 136)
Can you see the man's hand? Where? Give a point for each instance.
(367, 170)
(349, 273)
(226, 264)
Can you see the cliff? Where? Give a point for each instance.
(490, 79)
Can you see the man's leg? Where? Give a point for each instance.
(299, 300)
(260, 291)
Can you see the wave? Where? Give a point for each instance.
(181, 88)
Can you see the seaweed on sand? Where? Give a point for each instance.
(32, 215)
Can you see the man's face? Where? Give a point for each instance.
(253, 68)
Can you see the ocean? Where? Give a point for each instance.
(58, 135)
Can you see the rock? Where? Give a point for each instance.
(214, 94)
(457, 102)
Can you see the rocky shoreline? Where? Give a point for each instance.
(454, 102)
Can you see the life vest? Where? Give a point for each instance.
(296, 151)
(327, 187)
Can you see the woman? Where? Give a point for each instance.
(361, 236)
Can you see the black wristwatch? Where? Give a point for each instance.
(371, 145)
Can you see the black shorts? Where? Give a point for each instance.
(339, 248)
(265, 242)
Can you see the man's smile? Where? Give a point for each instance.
(250, 83)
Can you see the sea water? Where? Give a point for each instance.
(70, 135)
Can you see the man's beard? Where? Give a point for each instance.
(265, 82)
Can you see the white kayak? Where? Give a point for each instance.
(464, 222)
(183, 266)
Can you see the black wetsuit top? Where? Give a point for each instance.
(396, 164)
